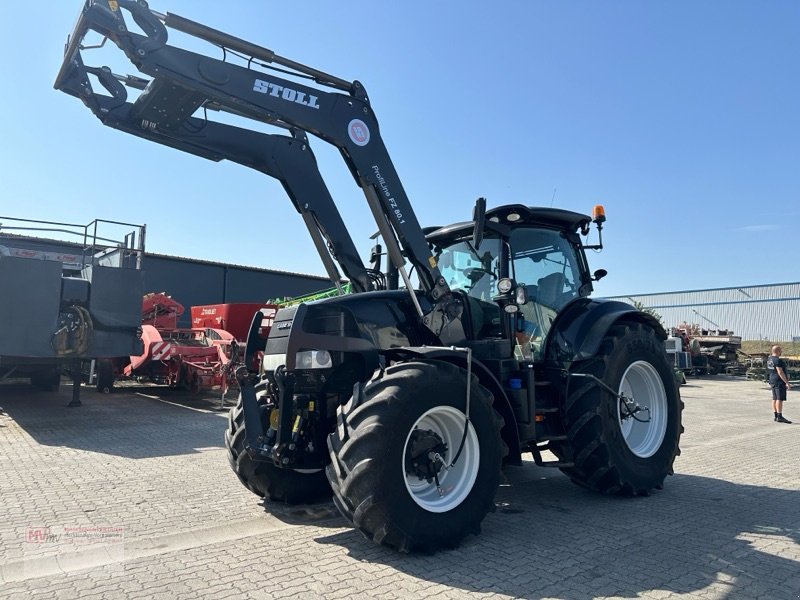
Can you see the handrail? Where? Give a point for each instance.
(93, 243)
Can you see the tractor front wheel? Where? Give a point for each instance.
(408, 468)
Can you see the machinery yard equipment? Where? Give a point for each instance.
(233, 317)
(679, 350)
(755, 367)
(192, 358)
(58, 310)
(720, 349)
(236, 318)
(404, 403)
(713, 350)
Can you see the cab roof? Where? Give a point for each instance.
(556, 218)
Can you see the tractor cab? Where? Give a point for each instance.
(518, 274)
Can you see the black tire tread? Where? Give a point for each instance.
(352, 445)
(265, 479)
(588, 443)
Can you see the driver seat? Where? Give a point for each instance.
(551, 290)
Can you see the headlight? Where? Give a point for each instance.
(313, 359)
(270, 362)
(504, 285)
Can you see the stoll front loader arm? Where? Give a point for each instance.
(288, 159)
(184, 82)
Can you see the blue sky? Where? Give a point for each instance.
(680, 117)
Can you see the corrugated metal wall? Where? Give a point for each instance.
(754, 312)
(193, 282)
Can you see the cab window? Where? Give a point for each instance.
(471, 270)
(546, 263)
(475, 272)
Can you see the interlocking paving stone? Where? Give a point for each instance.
(154, 475)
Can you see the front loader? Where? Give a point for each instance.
(406, 403)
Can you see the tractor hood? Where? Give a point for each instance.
(352, 324)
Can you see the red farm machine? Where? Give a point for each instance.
(235, 318)
(196, 358)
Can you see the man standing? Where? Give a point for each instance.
(778, 382)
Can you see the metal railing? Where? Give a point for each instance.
(96, 245)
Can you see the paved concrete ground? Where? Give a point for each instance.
(130, 497)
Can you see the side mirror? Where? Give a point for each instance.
(599, 274)
(375, 257)
(479, 217)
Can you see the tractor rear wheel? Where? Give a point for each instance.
(265, 479)
(407, 467)
(624, 443)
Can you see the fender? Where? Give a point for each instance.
(580, 328)
(487, 379)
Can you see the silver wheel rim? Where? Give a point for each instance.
(642, 383)
(455, 482)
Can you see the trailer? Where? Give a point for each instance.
(60, 310)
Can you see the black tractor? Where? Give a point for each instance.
(406, 398)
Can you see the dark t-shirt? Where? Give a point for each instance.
(773, 362)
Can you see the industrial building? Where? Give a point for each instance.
(755, 312)
(190, 281)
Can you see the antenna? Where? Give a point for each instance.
(553, 199)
